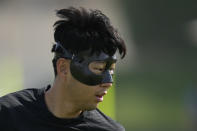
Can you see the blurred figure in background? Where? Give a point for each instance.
(191, 107)
(84, 63)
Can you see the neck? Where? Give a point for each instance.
(58, 102)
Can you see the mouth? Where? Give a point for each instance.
(100, 96)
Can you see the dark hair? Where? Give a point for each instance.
(80, 29)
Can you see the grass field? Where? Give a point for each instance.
(152, 100)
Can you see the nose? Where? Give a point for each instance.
(107, 78)
(106, 85)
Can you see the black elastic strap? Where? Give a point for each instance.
(60, 51)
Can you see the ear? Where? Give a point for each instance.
(63, 67)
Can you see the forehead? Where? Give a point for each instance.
(102, 62)
(101, 57)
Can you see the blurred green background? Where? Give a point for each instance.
(156, 82)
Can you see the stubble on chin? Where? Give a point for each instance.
(90, 107)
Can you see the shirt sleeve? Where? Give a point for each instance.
(5, 121)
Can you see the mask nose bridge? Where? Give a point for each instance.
(107, 77)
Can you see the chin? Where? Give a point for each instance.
(92, 107)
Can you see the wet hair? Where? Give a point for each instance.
(80, 29)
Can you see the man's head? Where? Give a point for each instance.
(86, 40)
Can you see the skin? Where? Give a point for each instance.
(68, 97)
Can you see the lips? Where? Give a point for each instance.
(99, 96)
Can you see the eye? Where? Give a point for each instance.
(99, 69)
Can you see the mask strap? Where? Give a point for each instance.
(60, 51)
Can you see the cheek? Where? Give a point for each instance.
(81, 91)
(86, 92)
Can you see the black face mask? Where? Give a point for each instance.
(80, 66)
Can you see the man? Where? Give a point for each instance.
(84, 62)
